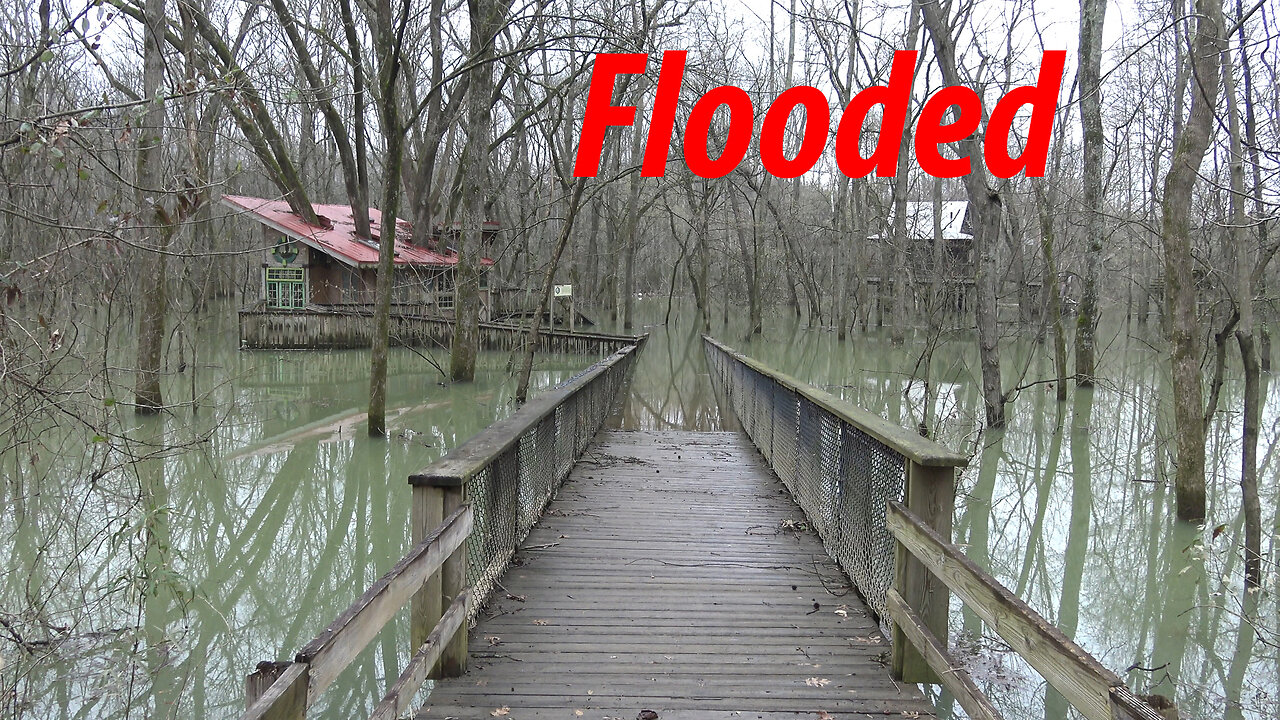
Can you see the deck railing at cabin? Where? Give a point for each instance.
(471, 509)
(349, 326)
(882, 499)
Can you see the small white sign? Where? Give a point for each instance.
(562, 291)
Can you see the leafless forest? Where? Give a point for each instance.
(124, 121)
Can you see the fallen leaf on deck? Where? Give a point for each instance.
(499, 712)
(493, 639)
(824, 715)
(817, 682)
(539, 622)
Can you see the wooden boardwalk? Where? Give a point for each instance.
(673, 574)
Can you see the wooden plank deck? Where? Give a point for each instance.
(664, 577)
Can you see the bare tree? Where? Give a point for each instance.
(1093, 15)
(985, 209)
(1190, 146)
(154, 223)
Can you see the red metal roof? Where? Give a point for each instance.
(339, 240)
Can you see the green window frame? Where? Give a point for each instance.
(285, 288)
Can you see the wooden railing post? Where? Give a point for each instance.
(277, 691)
(931, 495)
(259, 681)
(453, 582)
(427, 514)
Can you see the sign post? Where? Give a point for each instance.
(565, 291)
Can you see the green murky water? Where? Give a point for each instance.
(174, 577)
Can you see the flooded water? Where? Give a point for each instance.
(166, 581)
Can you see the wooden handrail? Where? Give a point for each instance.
(337, 645)
(949, 673)
(910, 445)
(1096, 692)
(320, 661)
(400, 695)
(477, 453)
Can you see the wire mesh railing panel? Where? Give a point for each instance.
(872, 474)
(493, 493)
(840, 475)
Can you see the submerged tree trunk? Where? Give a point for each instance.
(466, 329)
(1053, 294)
(750, 266)
(1251, 507)
(1092, 16)
(154, 224)
(388, 50)
(984, 202)
(1180, 287)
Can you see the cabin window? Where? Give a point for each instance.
(286, 288)
(444, 290)
(351, 286)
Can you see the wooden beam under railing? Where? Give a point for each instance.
(1093, 690)
(319, 663)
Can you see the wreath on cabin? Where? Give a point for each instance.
(285, 251)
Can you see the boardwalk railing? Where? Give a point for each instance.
(470, 510)
(512, 469)
(882, 498)
(349, 326)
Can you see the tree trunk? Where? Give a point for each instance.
(388, 51)
(1092, 16)
(466, 330)
(984, 203)
(1053, 294)
(1250, 505)
(154, 223)
(750, 266)
(352, 173)
(1180, 288)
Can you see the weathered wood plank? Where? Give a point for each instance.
(931, 496)
(400, 696)
(453, 585)
(1081, 679)
(427, 514)
(337, 645)
(349, 326)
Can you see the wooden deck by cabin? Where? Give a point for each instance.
(674, 573)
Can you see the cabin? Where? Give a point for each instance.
(318, 282)
(952, 263)
(330, 265)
